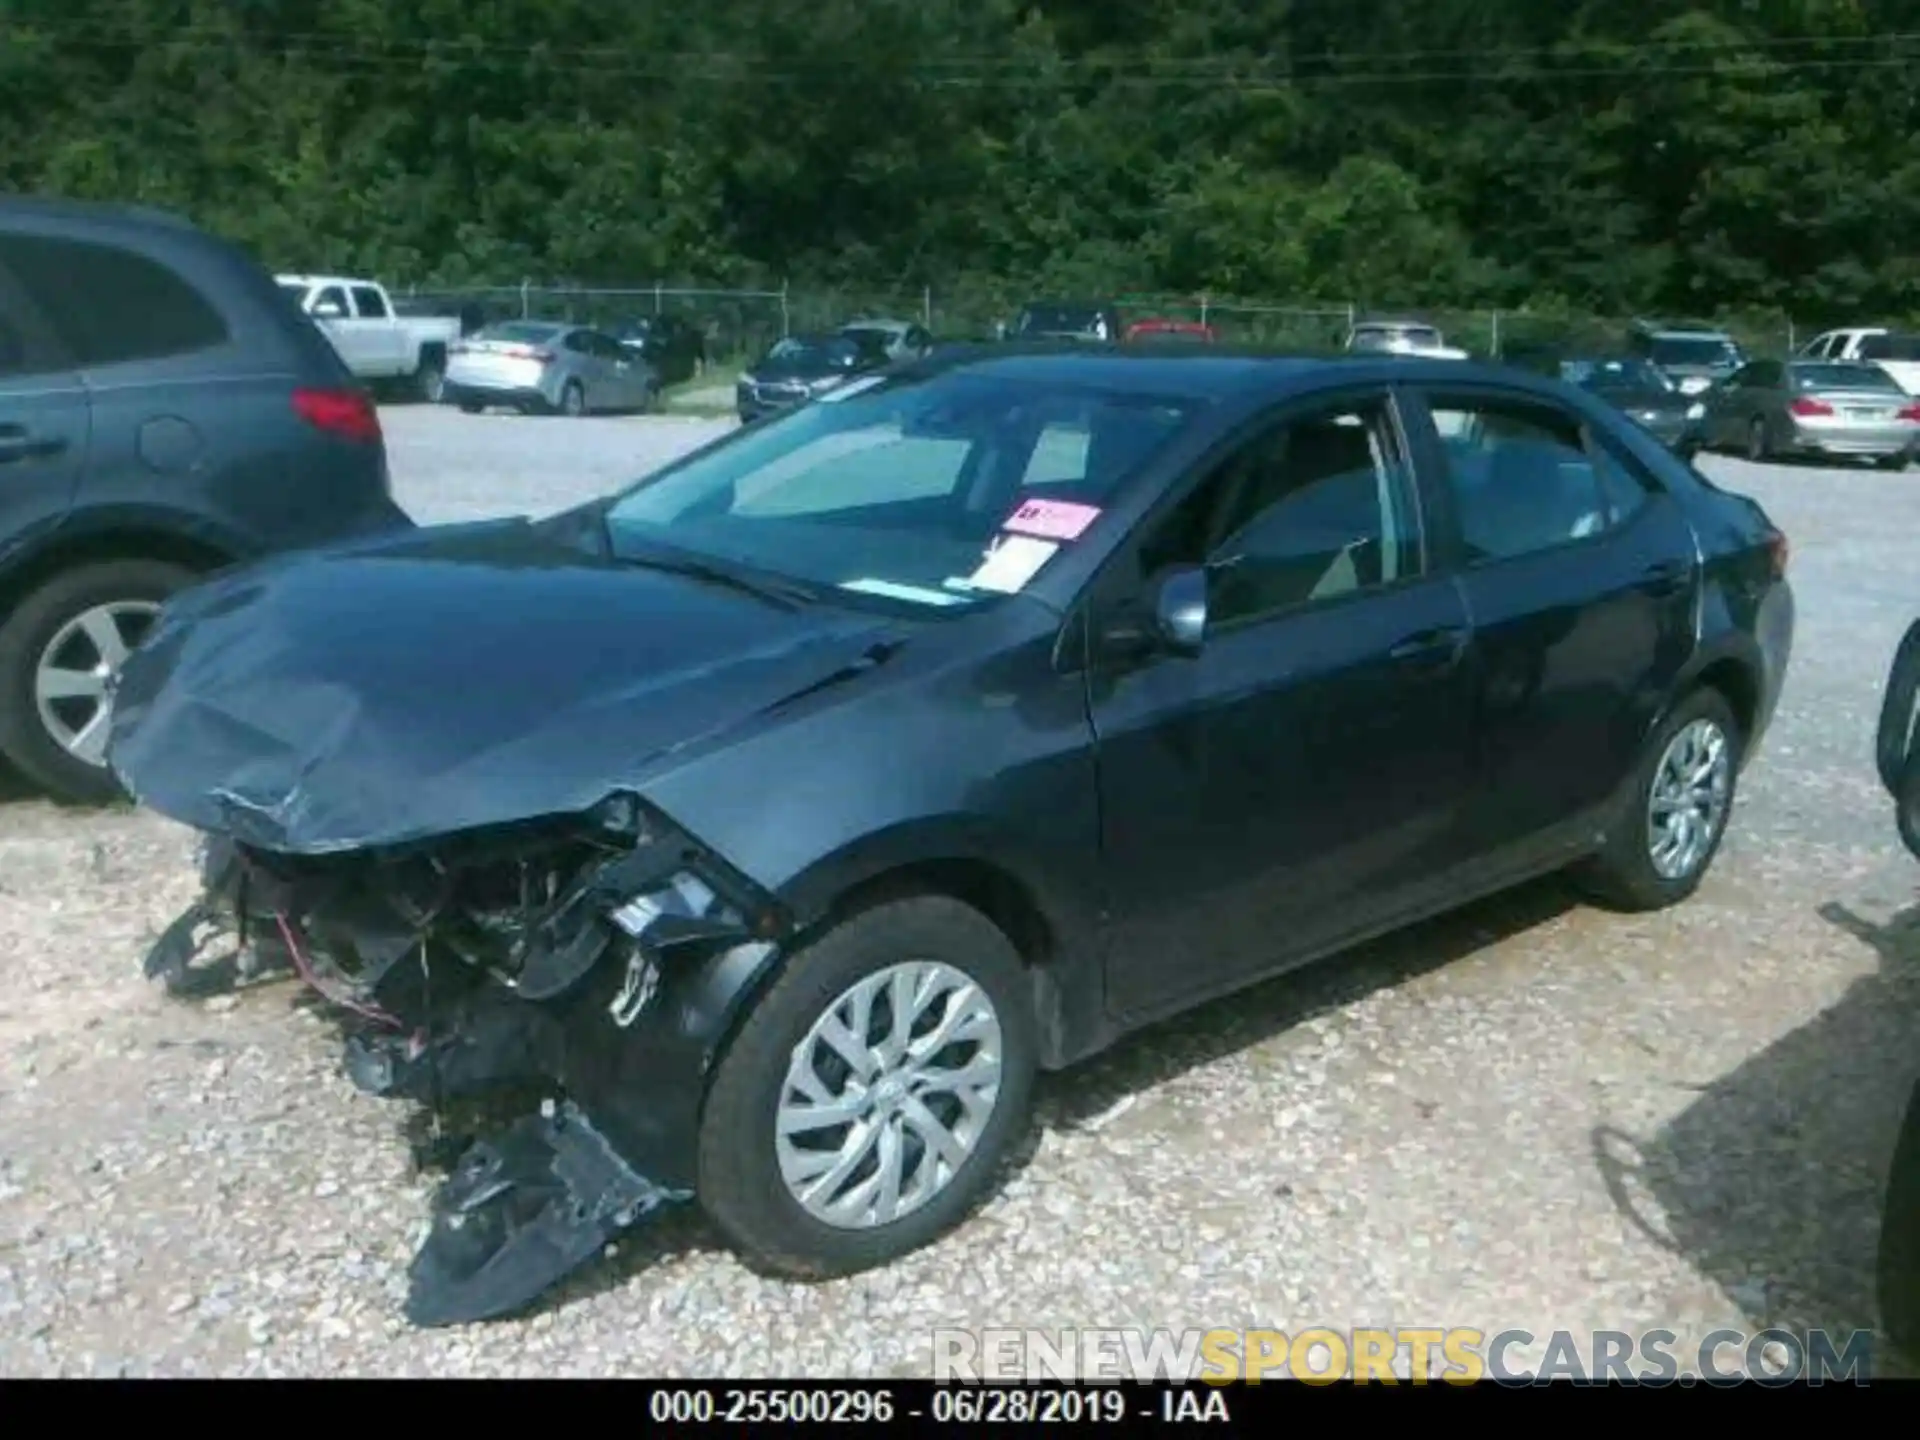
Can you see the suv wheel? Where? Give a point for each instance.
(60, 651)
(872, 1092)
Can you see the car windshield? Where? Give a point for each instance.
(297, 291)
(1843, 377)
(840, 351)
(519, 332)
(1668, 350)
(1890, 347)
(934, 494)
(1623, 374)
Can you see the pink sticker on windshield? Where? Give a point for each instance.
(1051, 519)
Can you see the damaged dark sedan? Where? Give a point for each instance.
(784, 814)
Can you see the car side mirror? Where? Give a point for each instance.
(328, 310)
(1170, 618)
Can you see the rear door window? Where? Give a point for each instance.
(110, 305)
(367, 303)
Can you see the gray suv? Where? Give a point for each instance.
(165, 411)
(1693, 354)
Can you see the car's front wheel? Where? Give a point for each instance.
(60, 652)
(872, 1092)
(1666, 838)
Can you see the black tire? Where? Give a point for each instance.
(469, 407)
(739, 1182)
(430, 380)
(1897, 737)
(1759, 447)
(1892, 462)
(1898, 1280)
(573, 400)
(1622, 875)
(24, 637)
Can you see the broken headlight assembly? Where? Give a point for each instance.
(452, 951)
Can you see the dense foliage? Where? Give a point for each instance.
(1606, 155)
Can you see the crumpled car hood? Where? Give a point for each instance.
(446, 680)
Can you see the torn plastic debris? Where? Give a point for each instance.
(522, 1212)
(600, 956)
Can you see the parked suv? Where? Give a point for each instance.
(164, 411)
(1694, 355)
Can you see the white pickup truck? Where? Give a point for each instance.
(1893, 352)
(379, 346)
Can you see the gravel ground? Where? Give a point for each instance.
(1530, 1115)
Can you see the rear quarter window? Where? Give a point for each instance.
(111, 305)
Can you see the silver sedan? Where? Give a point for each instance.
(1774, 408)
(547, 366)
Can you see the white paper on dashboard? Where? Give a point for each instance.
(1012, 563)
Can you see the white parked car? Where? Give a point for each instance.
(1893, 352)
(379, 346)
(1402, 337)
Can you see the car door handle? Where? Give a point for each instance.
(1665, 577)
(1439, 646)
(18, 444)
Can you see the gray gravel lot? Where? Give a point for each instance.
(1532, 1115)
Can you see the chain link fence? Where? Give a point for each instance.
(740, 324)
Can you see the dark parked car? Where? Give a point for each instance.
(1077, 320)
(803, 367)
(790, 809)
(1898, 754)
(164, 411)
(1693, 354)
(1639, 389)
(675, 348)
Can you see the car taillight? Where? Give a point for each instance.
(1810, 407)
(527, 352)
(349, 414)
(1912, 412)
(1779, 551)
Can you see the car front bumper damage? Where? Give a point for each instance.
(603, 961)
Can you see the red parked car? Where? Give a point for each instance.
(1172, 330)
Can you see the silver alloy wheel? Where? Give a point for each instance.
(1688, 801)
(573, 400)
(73, 680)
(888, 1094)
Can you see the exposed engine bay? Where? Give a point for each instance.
(600, 957)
